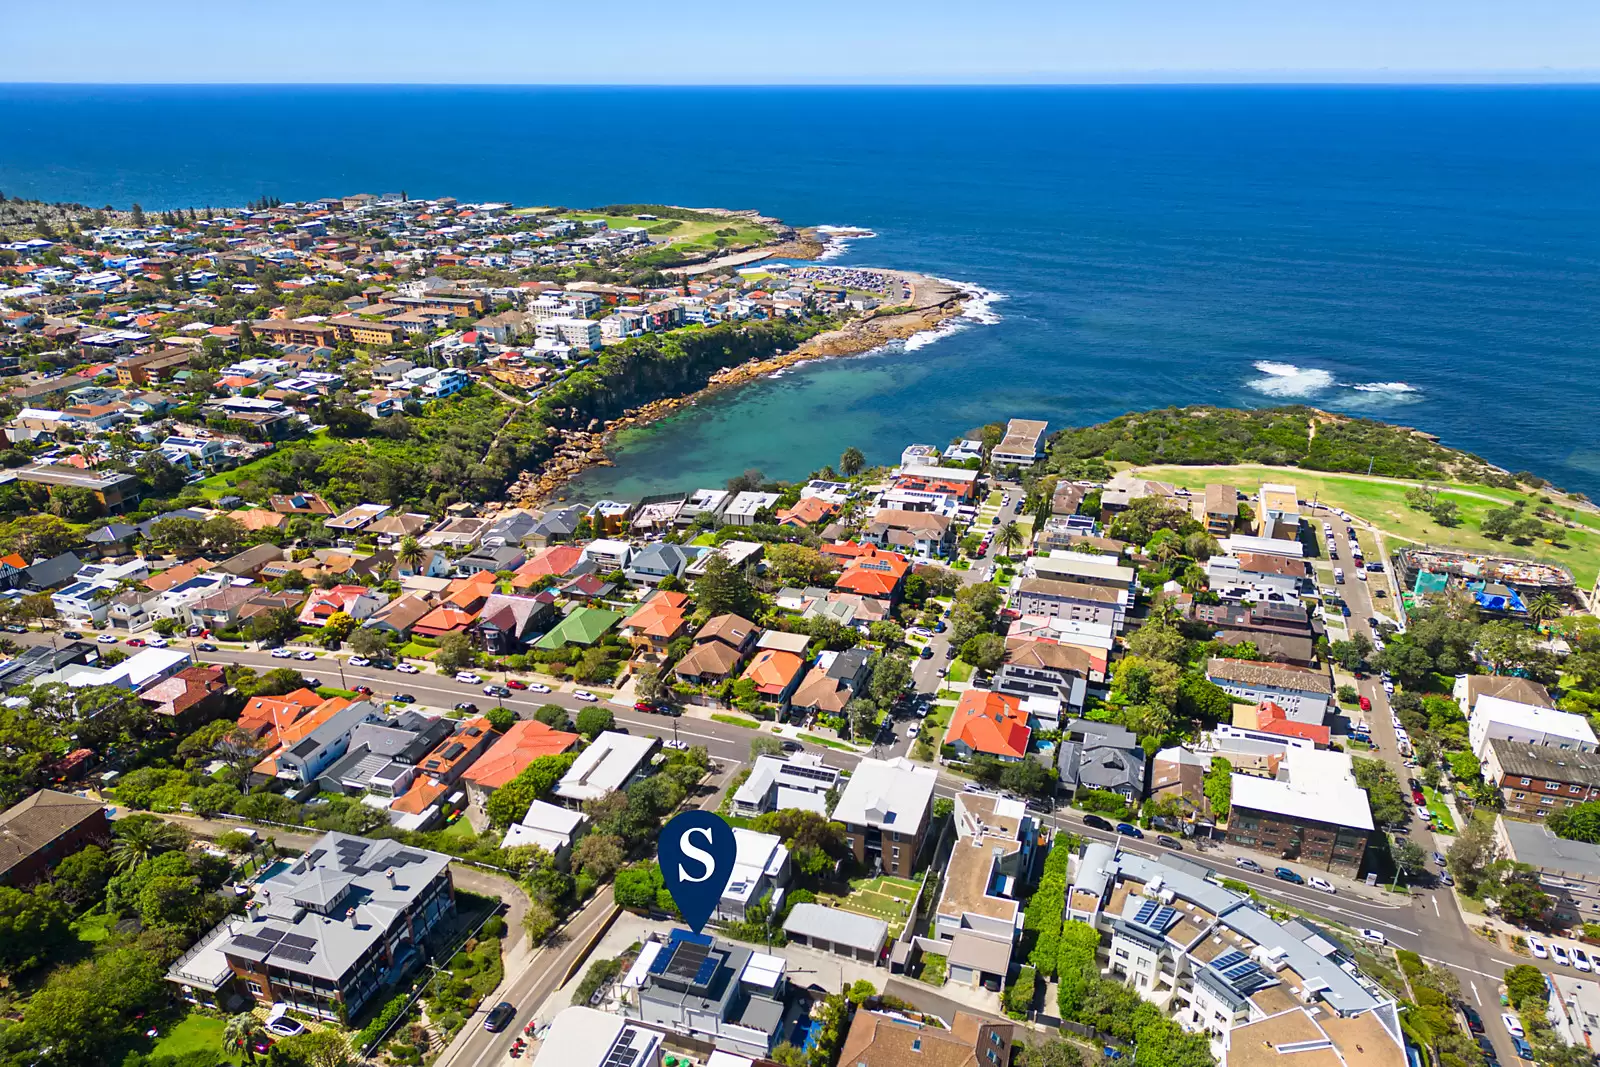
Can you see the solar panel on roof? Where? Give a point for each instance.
(299, 941)
(1240, 970)
(289, 952)
(622, 1056)
(267, 933)
(1147, 911)
(1228, 959)
(408, 857)
(253, 944)
(708, 967)
(1164, 918)
(687, 960)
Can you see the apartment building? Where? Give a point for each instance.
(1496, 718)
(1300, 691)
(1311, 813)
(1535, 780)
(978, 913)
(885, 809)
(1022, 446)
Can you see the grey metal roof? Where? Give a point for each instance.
(1550, 764)
(1533, 843)
(840, 927)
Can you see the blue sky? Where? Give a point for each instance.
(827, 41)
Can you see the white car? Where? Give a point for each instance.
(106, 639)
(406, 668)
(920, 631)
(157, 642)
(1513, 1024)
(307, 654)
(538, 687)
(283, 1026)
(913, 730)
(283, 653)
(1560, 955)
(469, 678)
(360, 661)
(682, 746)
(584, 694)
(1540, 952)
(1321, 883)
(1580, 960)
(1374, 936)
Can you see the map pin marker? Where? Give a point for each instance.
(697, 853)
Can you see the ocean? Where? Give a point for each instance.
(1423, 255)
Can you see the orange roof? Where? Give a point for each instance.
(161, 582)
(419, 796)
(265, 716)
(465, 592)
(807, 511)
(554, 561)
(1272, 719)
(15, 560)
(444, 619)
(298, 731)
(524, 742)
(874, 572)
(990, 722)
(661, 616)
(773, 669)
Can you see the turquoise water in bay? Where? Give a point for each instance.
(1425, 255)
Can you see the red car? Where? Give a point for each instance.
(1366, 705)
(364, 690)
(136, 642)
(512, 683)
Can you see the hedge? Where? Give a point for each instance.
(1076, 965)
(1045, 908)
(1019, 997)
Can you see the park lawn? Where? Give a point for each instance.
(196, 1033)
(1383, 504)
(1443, 818)
(689, 233)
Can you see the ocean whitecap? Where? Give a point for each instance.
(976, 310)
(1397, 388)
(836, 240)
(1289, 380)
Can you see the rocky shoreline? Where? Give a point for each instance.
(933, 303)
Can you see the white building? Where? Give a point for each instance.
(760, 867)
(609, 555)
(800, 781)
(579, 333)
(1496, 717)
(581, 1036)
(612, 761)
(550, 827)
(743, 508)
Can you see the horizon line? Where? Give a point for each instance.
(1146, 79)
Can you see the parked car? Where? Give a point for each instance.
(18, 628)
(104, 639)
(1289, 876)
(1520, 1043)
(205, 646)
(1512, 1023)
(306, 654)
(793, 746)
(1374, 936)
(1366, 704)
(1169, 842)
(1580, 959)
(1129, 829)
(538, 687)
(1438, 857)
(364, 690)
(1249, 865)
(468, 678)
(360, 661)
(913, 730)
(403, 698)
(406, 668)
(467, 706)
(1474, 1020)
(1559, 954)
(515, 684)
(72, 635)
(1322, 884)
(1540, 950)
(496, 691)
(682, 746)
(156, 642)
(926, 653)
(499, 1017)
(134, 642)
(585, 695)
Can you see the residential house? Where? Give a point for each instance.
(979, 911)
(808, 512)
(720, 647)
(505, 623)
(546, 826)
(657, 561)
(885, 808)
(835, 679)
(399, 616)
(1469, 687)
(659, 621)
(491, 560)
(775, 673)
(582, 626)
(1101, 756)
(525, 741)
(1220, 509)
(1052, 679)
(612, 761)
(760, 871)
(356, 601)
(711, 993)
(1300, 691)
(893, 1039)
(918, 533)
(187, 699)
(745, 508)
(989, 723)
(873, 572)
(778, 783)
(38, 833)
(608, 555)
(303, 759)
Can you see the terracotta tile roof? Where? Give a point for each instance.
(264, 716)
(32, 824)
(184, 690)
(733, 630)
(555, 561)
(990, 722)
(876, 1040)
(298, 731)
(164, 580)
(1272, 719)
(807, 511)
(469, 592)
(1271, 675)
(443, 620)
(773, 669)
(663, 615)
(15, 560)
(874, 573)
(524, 742)
(708, 657)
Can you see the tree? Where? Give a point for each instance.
(723, 589)
(82, 876)
(890, 676)
(1049, 1052)
(598, 855)
(765, 746)
(242, 1031)
(1351, 654)
(501, 718)
(538, 921)
(1377, 780)
(1471, 854)
(650, 687)
(1010, 537)
(797, 564)
(455, 652)
(170, 901)
(1158, 642)
(338, 627)
(851, 462)
(1143, 681)
(410, 554)
(510, 802)
(314, 1048)
(1523, 902)
(985, 651)
(1409, 663)
(275, 626)
(594, 721)
(1029, 777)
(1409, 857)
(862, 715)
(1218, 785)
(1542, 607)
(553, 715)
(141, 837)
(1525, 986)
(369, 641)
(32, 927)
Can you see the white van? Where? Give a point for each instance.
(1338, 575)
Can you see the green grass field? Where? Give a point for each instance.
(1443, 817)
(884, 897)
(196, 1033)
(960, 671)
(1383, 504)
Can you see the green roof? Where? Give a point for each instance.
(583, 627)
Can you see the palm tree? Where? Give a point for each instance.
(852, 461)
(1010, 537)
(1542, 607)
(140, 840)
(242, 1031)
(410, 553)
(1166, 550)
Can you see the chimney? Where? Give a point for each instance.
(389, 874)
